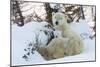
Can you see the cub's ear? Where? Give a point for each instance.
(53, 13)
(66, 16)
(68, 19)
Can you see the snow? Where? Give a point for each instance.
(22, 36)
(30, 8)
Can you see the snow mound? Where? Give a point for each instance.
(22, 36)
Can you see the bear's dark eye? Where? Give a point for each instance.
(56, 22)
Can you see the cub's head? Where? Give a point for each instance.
(58, 18)
(57, 33)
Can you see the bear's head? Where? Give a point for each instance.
(59, 21)
(58, 18)
(57, 33)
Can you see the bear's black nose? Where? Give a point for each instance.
(56, 22)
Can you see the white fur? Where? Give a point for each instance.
(57, 33)
(69, 43)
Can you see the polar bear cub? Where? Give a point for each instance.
(57, 33)
(69, 43)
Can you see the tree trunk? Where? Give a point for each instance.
(49, 11)
(20, 14)
(19, 19)
(83, 17)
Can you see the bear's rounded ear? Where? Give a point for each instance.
(53, 13)
(66, 16)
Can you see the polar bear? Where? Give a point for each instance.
(69, 43)
(57, 33)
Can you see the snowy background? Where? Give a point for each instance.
(23, 36)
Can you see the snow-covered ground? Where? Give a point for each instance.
(22, 36)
